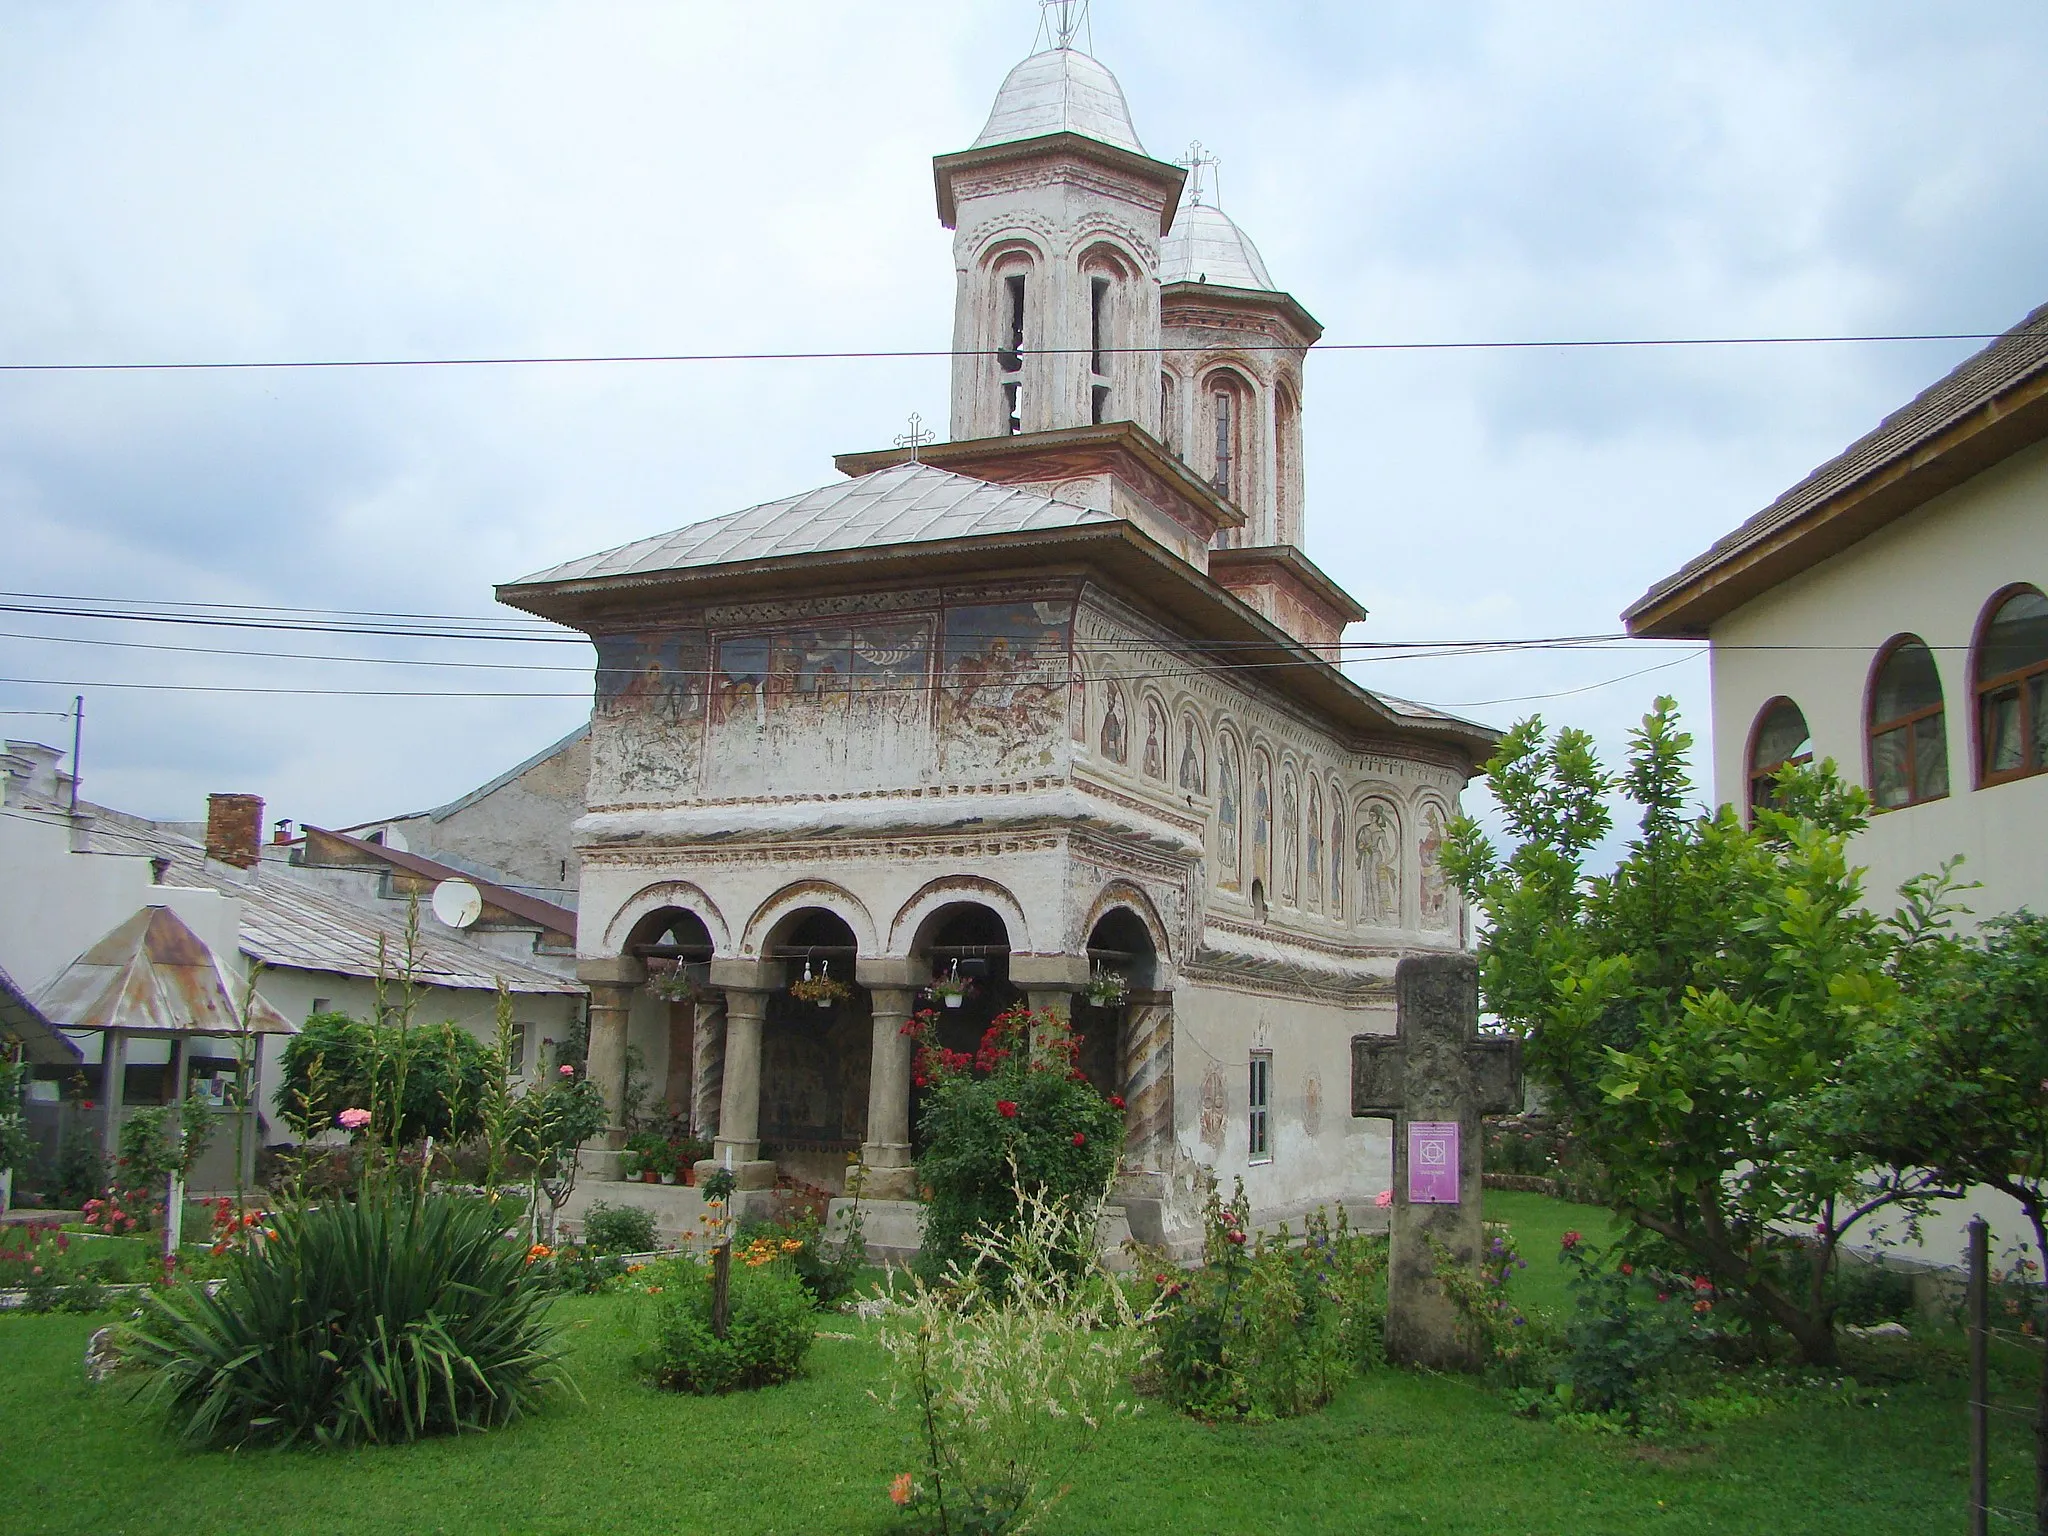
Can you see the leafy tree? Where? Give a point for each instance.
(1969, 1054)
(1690, 1011)
(547, 1125)
(17, 1146)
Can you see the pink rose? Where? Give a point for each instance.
(352, 1119)
(567, 1070)
(1383, 1199)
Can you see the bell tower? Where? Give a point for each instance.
(1057, 213)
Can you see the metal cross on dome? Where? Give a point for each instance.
(1198, 159)
(1059, 20)
(916, 437)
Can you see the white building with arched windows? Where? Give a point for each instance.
(1888, 612)
(1051, 699)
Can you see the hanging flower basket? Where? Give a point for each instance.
(952, 989)
(678, 981)
(1107, 989)
(824, 989)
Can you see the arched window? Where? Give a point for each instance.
(1780, 737)
(1228, 406)
(1287, 482)
(1908, 731)
(1169, 410)
(2012, 687)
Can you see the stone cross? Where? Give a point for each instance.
(1434, 1077)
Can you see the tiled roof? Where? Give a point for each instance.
(289, 922)
(902, 504)
(2014, 358)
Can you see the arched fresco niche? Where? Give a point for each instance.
(1115, 740)
(1377, 861)
(1290, 839)
(1338, 853)
(1312, 869)
(1154, 761)
(1435, 886)
(1194, 767)
(1229, 812)
(1262, 820)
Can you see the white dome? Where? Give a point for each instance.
(1062, 90)
(1204, 246)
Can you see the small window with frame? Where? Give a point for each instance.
(2011, 676)
(1259, 1126)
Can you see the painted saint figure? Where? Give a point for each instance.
(1379, 864)
(1436, 888)
(1116, 744)
(1155, 740)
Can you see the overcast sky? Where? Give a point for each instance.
(294, 181)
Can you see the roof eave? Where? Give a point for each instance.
(1169, 179)
(1687, 603)
(1280, 302)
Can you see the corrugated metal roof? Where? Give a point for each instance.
(154, 976)
(290, 923)
(902, 504)
(22, 1020)
(2012, 359)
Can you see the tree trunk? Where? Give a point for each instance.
(1812, 1332)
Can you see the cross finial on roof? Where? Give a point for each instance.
(1059, 20)
(916, 437)
(1197, 159)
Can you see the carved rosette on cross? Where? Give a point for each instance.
(1435, 1077)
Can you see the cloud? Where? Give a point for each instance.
(261, 181)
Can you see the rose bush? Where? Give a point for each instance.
(1017, 1112)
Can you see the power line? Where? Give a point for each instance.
(913, 353)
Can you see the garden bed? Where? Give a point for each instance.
(1394, 1451)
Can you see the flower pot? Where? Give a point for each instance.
(952, 1002)
(668, 1178)
(688, 1179)
(650, 1177)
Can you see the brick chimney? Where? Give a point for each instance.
(234, 829)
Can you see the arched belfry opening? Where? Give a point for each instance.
(675, 946)
(815, 1049)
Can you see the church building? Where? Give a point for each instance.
(1046, 712)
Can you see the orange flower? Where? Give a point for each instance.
(899, 1490)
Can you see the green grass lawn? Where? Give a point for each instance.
(1396, 1452)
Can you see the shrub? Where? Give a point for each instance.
(828, 1271)
(81, 1171)
(572, 1270)
(1511, 1348)
(1016, 1115)
(380, 1321)
(1269, 1329)
(1011, 1367)
(618, 1229)
(1867, 1293)
(768, 1333)
(336, 1063)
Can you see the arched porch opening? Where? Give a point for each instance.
(675, 946)
(1119, 943)
(962, 941)
(815, 1050)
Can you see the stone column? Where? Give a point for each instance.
(739, 1099)
(1145, 1069)
(612, 984)
(1049, 982)
(886, 1172)
(707, 1071)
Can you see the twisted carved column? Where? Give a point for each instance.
(707, 1066)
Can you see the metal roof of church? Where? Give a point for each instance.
(1062, 90)
(1206, 246)
(903, 504)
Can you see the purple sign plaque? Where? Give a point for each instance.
(1432, 1162)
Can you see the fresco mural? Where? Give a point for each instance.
(1379, 864)
(1336, 853)
(1262, 821)
(1436, 886)
(1003, 684)
(646, 726)
(792, 706)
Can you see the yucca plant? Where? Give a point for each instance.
(377, 1322)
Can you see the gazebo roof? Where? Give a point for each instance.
(155, 976)
(21, 1020)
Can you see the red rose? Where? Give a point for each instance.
(1116, 1101)
(1570, 1240)
(1234, 1237)
(1080, 1140)
(1628, 1269)
(1007, 1108)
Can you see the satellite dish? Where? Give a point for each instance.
(458, 903)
